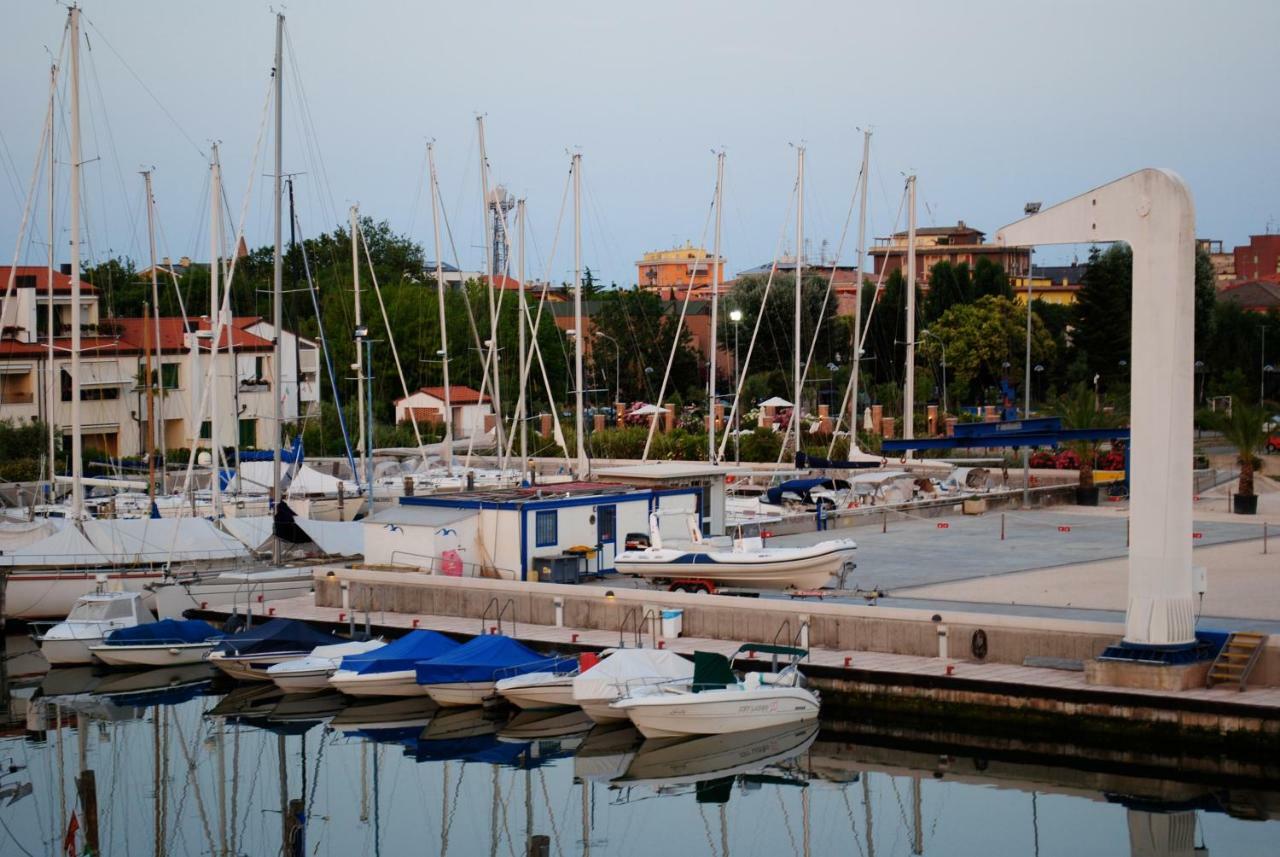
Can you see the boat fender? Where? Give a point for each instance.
(978, 644)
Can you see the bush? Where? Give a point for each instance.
(1067, 460)
(1043, 459)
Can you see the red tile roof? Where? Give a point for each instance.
(61, 281)
(127, 337)
(459, 394)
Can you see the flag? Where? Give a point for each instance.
(69, 841)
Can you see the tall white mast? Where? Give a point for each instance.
(359, 364)
(492, 277)
(77, 445)
(909, 397)
(857, 309)
(584, 466)
(277, 286)
(715, 310)
(444, 336)
(795, 410)
(155, 341)
(51, 376)
(215, 310)
(522, 405)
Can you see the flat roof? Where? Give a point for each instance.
(668, 470)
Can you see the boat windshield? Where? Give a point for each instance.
(99, 610)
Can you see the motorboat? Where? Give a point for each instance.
(543, 690)
(91, 620)
(606, 752)
(248, 655)
(389, 671)
(312, 672)
(747, 563)
(718, 702)
(468, 674)
(621, 672)
(665, 763)
(168, 642)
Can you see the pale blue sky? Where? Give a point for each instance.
(991, 103)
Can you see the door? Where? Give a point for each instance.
(606, 537)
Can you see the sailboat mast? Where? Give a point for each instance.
(277, 287)
(715, 310)
(51, 382)
(365, 452)
(215, 310)
(489, 240)
(444, 336)
(151, 343)
(77, 444)
(522, 402)
(583, 464)
(909, 396)
(796, 368)
(857, 292)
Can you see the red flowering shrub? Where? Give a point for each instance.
(1067, 460)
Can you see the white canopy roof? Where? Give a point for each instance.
(252, 530)
(336, 538)
(308, 480)
(649, 410)
(775, 402)
(609, 679)
(120, 542)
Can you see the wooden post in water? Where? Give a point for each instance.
(87, 790)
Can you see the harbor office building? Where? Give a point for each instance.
(520, 533)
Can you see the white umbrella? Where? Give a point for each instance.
(775, 402)
(649, 410)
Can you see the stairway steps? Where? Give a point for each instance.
(1236, 659)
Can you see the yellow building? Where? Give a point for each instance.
(677, 268)
(1055, 284)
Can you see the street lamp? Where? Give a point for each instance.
(1200, 370)
(928, 333)
(735, 316)
(617, 363)
(1038, 369)
(1262, 393)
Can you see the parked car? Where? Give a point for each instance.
(1273, 443)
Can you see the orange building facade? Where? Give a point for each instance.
(678, 269)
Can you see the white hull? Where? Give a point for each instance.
(397, 683)
(457, 694)
(717, 712)
(600, 711)
(159, 655)
(252, 667)
(542, 692)
(173, 599)
(769, 568)
(51, 595)
(69, 651)
(300, 681)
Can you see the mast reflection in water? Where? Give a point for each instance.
(170, 763)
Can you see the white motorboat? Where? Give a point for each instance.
(168, 642)
(614, 677)
(248, 655)
(91, 619)
(717, 702)
(468, 674)
(313, 672)
(748, 563)
(543, 690)
(665, 764)
(390, 670)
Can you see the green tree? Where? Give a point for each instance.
(636, 330)
(1244, 426)
(980, 338)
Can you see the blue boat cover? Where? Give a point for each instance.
(485, 749)
(165, 631)
(413, 647)
(487, 658)
(278, 635)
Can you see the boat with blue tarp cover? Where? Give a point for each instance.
(390, 671)
(248, 655)
(467, 675)
(167, 642)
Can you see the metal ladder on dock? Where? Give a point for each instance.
(1238, 657)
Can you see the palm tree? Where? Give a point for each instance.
(1245, 428)
(1081, 410)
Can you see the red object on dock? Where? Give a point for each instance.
(943, 525)
(493, 629)
(1197, 535)
(271, 611)
(1064, 529)
(342, 617)
(662, 644)
(573, 639)
(848, 661)
(415, 622)
(951, 669)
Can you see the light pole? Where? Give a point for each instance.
(1263, 367)
(617, 363)
(1038, 369)
(929, 333)
(735, 316)
(361, 336)
(1199, 368)
(1262, 394)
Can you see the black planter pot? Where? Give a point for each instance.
(1244, 504)
(1087, 496)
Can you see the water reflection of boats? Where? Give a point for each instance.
(606, 752)
(413, 712)
(163, 686)
(450, 724)
(536, 725)
(320, 705)
(666, 762)
(254, 700)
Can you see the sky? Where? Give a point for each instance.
(991, 104)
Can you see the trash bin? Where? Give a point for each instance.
(672, 623)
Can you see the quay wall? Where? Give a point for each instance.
(811, 623)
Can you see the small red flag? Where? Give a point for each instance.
(69, 841)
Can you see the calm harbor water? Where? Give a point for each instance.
(184, 764)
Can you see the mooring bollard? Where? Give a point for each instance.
(1264, 536)
(884, 521)
(1002, 526)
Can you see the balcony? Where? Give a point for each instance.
(255, 385)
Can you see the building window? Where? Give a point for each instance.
(206, 430)
(169, 376)
(260, 368)
(607, 524)
(248, 433)
(545, 529)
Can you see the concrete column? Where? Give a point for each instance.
(951, 426)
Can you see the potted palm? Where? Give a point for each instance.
(1081, 410)
(1244, 427)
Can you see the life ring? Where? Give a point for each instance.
(978, 644)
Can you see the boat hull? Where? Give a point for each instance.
(51, 595)
(600, 711)
(717, 712)
(159, 655)
(173, 599)
(395, 683)
(69, 650)
(252, 667)
(781, 568)
(461, 693)
(303, 681)
(557, 693)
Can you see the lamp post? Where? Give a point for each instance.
(1039, 368)
(735, 316)
(1262, 394)
(929, 333)
(361, 337)
(1200, 370)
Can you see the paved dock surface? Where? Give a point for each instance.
(1028, 678)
